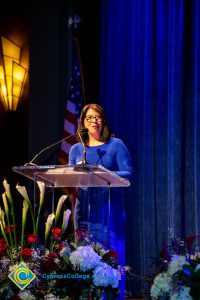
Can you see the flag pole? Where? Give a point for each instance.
(74, 22)
(76, 93)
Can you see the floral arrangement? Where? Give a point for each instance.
(177, 272)
(64, 268)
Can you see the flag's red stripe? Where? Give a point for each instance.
(70, 117)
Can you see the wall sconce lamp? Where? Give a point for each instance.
(12, 74)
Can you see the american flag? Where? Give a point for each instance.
(75, 103)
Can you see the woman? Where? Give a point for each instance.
(111, 153)
(101, 148)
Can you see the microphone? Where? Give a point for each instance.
(85, 130)
(56, 143)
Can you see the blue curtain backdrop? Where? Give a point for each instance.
(150, 89)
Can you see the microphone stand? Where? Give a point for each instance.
(84, 149)
(50, 146)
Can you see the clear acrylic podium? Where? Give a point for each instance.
(72, 175)
(79, 176)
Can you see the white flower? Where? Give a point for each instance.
(22, 190)
(59, 206)
(105, 275)
(24, 212)
(7, 291)
(7, 188)
(46, 252)
(85, 258)
(66, 215)
(48, 224)
(161, 286)
(57, 261)
(51, 297)
(26, 295)
(176, 264)
(41, 186)
(183, 293)
(5, 203)
(12, 267)
(99, 248)
(2, 222)
(197, 267)
(65, 251)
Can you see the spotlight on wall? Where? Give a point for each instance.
(12, 74)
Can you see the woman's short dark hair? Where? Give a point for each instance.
(105, 133)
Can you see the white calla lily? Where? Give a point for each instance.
(7, 188)
(41, 186)
(9, 196)
(5, 203)
(22, 190)
(24, 212)
(66, 216)
(59, 206)
(48, 224)
(6, 207)
(3, 231)
(2, 218)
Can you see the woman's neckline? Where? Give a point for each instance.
(98, 145)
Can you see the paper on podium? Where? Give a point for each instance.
(72, 175)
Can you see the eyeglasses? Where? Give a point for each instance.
(92, 118)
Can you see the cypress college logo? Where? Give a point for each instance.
(22, 276)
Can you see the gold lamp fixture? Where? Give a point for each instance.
(12, 74)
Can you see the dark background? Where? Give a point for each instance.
(148, 67)
(41, 28)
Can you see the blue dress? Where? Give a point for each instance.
(112, 155)
(93, 210)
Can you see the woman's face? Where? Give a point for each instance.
(93, 122)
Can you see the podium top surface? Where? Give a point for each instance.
(72, 175)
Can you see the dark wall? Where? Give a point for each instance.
(49, 43)
(89, 33)
(50, 67)
(39, 120)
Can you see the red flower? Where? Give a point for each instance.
(189, 241)
(10, 228)
(112, 253)
(56, 233)
(80, 235)
(164, 253)
(3, 246)
(15, 297)
(41, 288)
(32, 238)
(52, 255)
(49, 264)
(26, 252)
(61, 245)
